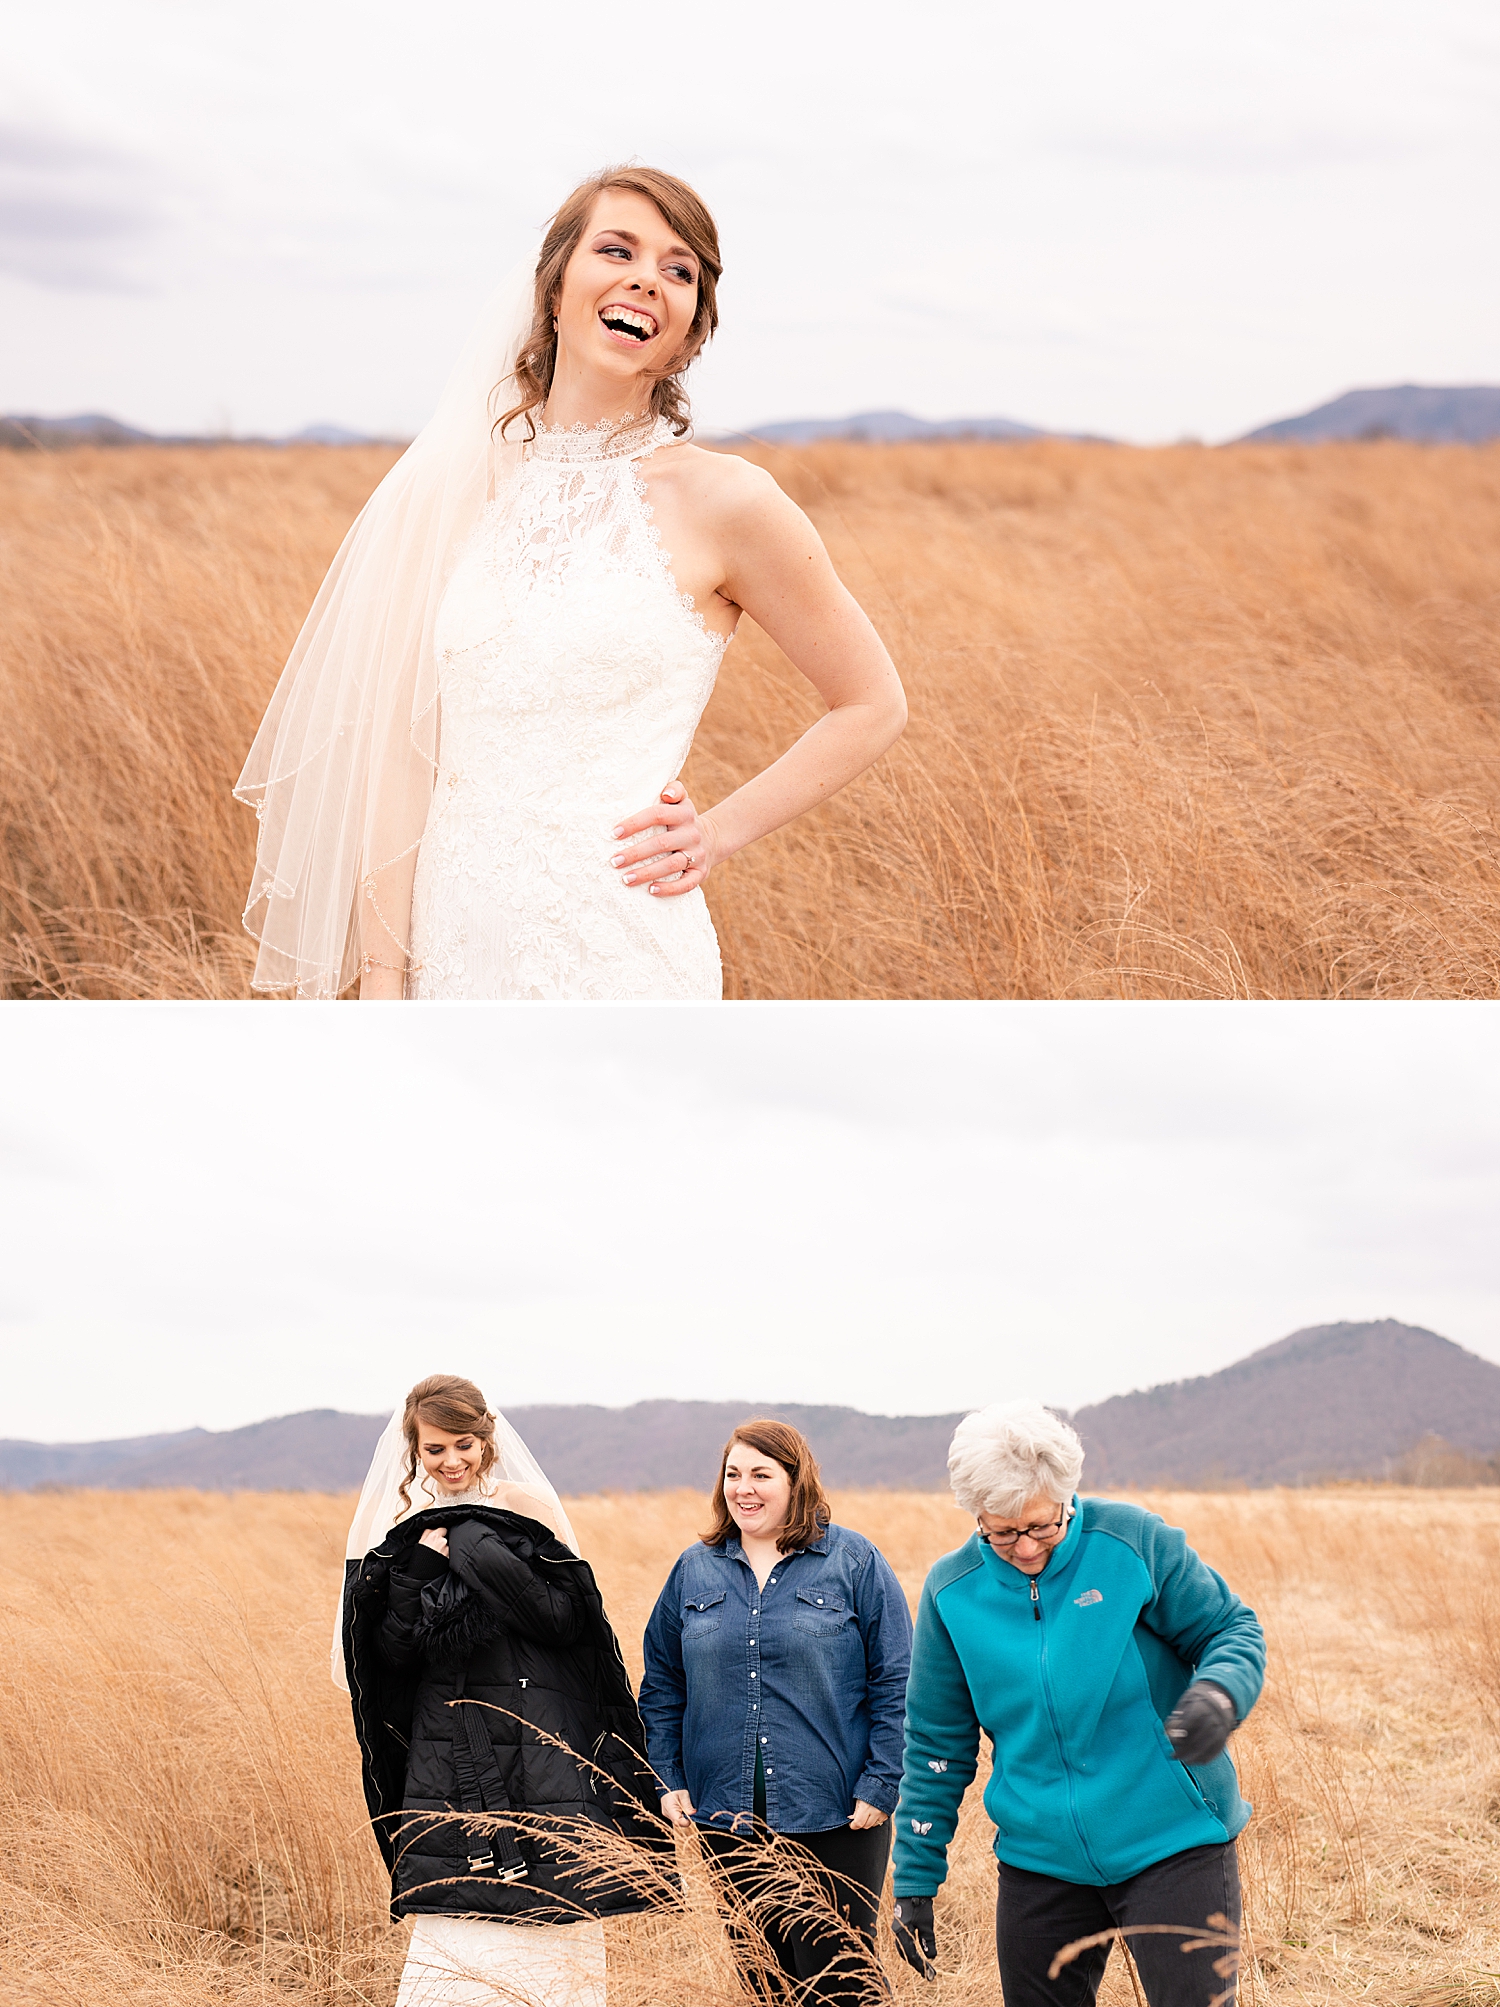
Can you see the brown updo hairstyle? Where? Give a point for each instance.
(688, 214)
(808, 1510)
(454, 1405)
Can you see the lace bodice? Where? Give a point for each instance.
(580, 494)
(572, 675)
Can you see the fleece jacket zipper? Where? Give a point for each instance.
(1067, 1769)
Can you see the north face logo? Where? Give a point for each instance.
(1088, 1596)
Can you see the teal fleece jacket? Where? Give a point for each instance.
(1072, 1685)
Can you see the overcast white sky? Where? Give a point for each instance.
(1146, 221)
(216, 1215)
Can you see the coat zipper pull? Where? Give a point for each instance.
(1036, 1601)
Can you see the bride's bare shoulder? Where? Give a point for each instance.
(722, 484)
(509, 1497)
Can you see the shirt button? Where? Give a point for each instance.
(752, 1675)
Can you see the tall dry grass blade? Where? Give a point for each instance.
(181, 1820)
(1216, 1934)
(1184, 723)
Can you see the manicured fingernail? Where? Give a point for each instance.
(630, 878)
(617, 861)
(618, 833)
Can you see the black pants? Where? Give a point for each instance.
(1036, 1915)
(828, 1959)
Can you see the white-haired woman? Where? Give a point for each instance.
(1108, 1664)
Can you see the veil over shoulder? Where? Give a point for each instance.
(340, 774)
(515, 1482)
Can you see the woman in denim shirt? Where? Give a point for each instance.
(773, 1697)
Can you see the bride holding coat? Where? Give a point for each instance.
(486, 1681)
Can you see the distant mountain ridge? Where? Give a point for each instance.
(95, 428)
(88, 428)
(274, 1455)
(1336, 1400)
(885, 427)
(654, 1445)
(1466, 414)
(657, 1444)
(1460, 414)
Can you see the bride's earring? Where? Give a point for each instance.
(554, 323)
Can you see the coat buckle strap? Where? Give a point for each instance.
(482, 1790)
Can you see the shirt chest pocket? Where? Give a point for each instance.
(701, 1617)
(823, 1614)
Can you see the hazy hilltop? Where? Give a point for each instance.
(97, 428)
(651, 1446)
(87, 428)
(1463, 414)
(1426, 413)
(884, 428)
(320, 1449)
(656, 1444)
(1338, 1400)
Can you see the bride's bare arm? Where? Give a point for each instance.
(777, 570)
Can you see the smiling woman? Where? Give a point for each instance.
(775, 1681)
(467, 776)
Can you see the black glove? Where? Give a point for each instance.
(1199, 1725)
(916, 1940)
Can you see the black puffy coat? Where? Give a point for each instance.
(512, 1627)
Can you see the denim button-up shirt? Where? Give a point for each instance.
(811, 1671)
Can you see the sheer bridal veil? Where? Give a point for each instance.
(515, 1482)
(340, 774)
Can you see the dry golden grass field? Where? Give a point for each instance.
(1185, 723)
(181, 1821)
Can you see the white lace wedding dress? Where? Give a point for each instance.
(572, 675)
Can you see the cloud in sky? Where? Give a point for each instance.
(74, 217)
(1244, 146)
(1141, 223)
(221, 1215)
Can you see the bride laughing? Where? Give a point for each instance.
(467, 777)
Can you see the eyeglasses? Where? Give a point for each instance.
(1045, 1536)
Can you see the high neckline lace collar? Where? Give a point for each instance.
(611, 439)
(477, 1494)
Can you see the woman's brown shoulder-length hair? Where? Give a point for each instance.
(688, 214)
(809, 1511)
